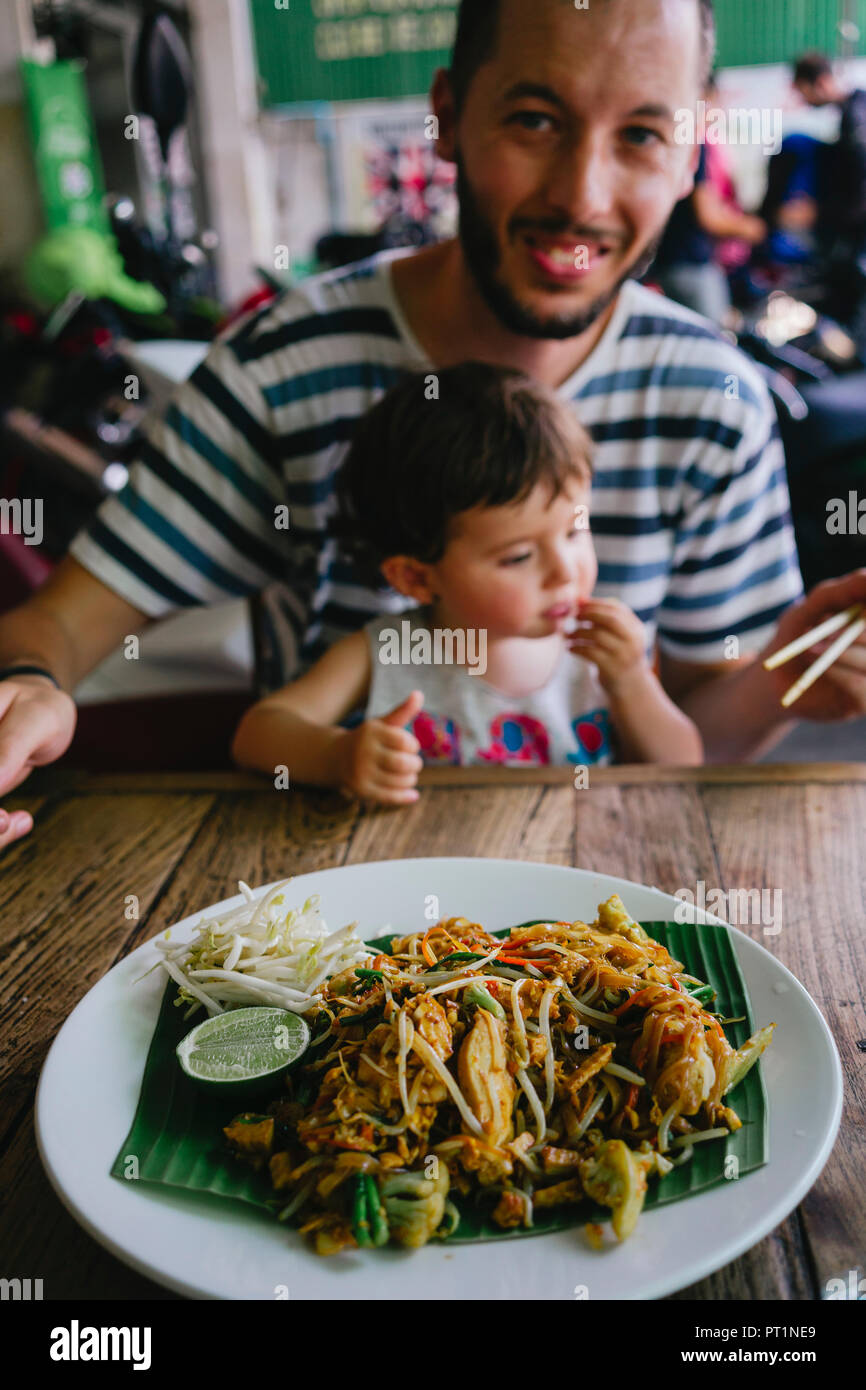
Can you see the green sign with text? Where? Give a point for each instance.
(349, 50)
(67, 159)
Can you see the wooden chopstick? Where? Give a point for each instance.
(852, 620)
(813, 636)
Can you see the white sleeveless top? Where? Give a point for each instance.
(465, 720)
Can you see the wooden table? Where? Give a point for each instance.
(181, 841)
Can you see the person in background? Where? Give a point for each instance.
(796, 182)
(841, 227)
(707, 236)
(731, 252)
(844, 212)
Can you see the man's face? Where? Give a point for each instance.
(814, 93)
(568, 166)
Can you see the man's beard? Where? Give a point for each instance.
(481, 251)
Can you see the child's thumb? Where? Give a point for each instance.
(405, 711)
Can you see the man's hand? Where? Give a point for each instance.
(379, 761)
(841, 692)
(740, 715)
(37, 722)
(615, 642)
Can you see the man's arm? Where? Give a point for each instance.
(732, 703)
(721, 220)
(196, 524)
(734, 572)
(67, 627)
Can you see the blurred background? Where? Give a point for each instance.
(164, 168)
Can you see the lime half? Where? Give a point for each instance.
(244, 1047)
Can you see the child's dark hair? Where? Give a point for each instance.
(467, 436)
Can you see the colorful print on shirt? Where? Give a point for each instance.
(517, 738)
(439, 738)
(593, 734)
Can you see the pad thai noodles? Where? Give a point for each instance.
(560, 1063)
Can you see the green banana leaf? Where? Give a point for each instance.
(176, 1138)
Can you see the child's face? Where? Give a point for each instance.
(519, 570)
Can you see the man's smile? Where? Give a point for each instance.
(566, 258)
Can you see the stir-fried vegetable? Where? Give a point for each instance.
(369, 1217)
(415, 1204)
(483, 999)
(458, 958)
(704, 993)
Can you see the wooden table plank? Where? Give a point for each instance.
(62, 780)
(15, 801)
(643, 833)
(40, 1240)
(795, 841)
(68, 912)
(272, 835)
(632, 774)
(453, 822)
(64, 899)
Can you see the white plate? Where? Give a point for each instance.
(210, 1248)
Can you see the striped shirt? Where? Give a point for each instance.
(690, 508)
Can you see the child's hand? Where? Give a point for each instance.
(615, 642)
(379, 760)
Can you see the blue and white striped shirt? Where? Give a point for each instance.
(690, 508)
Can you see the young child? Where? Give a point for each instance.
(469, 491)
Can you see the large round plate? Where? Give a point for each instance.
(207, 1248)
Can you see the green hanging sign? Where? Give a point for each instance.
(67, 160)
(349, 50)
